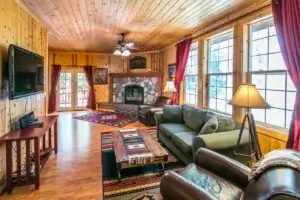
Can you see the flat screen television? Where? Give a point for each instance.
(26, 72)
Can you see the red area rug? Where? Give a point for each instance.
(141, 183)
(108, 118)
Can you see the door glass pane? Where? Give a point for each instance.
(82, 90)
(65, 90)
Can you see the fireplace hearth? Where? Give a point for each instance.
(134, 94)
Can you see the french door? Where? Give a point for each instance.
(73, 90)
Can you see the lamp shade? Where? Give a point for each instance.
(170, 87)
(126, 53)
(117, 52)
(247, 96)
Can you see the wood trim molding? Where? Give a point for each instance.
(137, 74)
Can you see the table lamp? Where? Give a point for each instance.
(170, 87)
(247, 96)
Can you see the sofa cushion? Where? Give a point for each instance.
(186, 109)
(225, 124)
(172, 114)
(184, 141)
(195, 119)
(168, 129)
(210, 126)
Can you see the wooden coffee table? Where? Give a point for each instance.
(151, 147)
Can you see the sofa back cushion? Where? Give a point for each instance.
(186, 109)
(172, 114)
(195, 119)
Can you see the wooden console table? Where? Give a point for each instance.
(27, 135)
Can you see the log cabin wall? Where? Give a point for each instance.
(115, 64)
(270, 137)
(20, 27)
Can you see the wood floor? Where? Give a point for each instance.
(76, 171)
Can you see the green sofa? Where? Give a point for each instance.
(184, 129)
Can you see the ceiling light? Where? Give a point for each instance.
(126, 53)
(117, 52)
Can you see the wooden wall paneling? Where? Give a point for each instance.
(20, 28)
(202, 71)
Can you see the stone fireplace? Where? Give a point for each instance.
(135, 88)
(134, 94)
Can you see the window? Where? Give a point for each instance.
(267, 71)
(220, 64)
(191, 76)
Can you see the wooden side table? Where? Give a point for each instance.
(28, 135)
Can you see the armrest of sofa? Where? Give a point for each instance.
(156, 109)
(158, 116)
(142, 107)
(174, 186)
(223, 166)
(219, 141)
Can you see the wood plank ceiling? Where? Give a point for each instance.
(95, 25)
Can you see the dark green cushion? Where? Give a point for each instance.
(184, 141)
(210, 126)
(195, 119)
(168, 129)
(225, 124)
(172, 114)
(186, 109)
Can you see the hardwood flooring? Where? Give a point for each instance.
(76, 171)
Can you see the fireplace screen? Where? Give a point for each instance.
(134, 94)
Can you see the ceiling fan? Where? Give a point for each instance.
(122, 48)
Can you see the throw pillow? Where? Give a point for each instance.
(210, 126)
(195, 119)
(225, 124)
(172, 114)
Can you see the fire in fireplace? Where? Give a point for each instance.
(134, 94)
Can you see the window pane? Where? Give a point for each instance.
(259, 81)
(276, 81)
(194, 60)
(290, 84)
(229, 80)
(276, 62)
(221, 105)
(259, 34)
(224, 54)
(273, 45)
(221, 81)
(229, 109)
(272, 30)
(230, 68)
(262, 93)
(260, 47)
(223, 67)
(221, 92)
(275, 117)
(229, 94)
(213, 67)
(259, 114)
(290, 100)
(288, 120)
(231, 53)
(276, 99)
(212, 81)
(212, 103)
(213, 92)
(214, 56)
(259, 63)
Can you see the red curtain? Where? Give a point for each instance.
(182, 53)
(53, 93)
(91, 104)
(287, 22)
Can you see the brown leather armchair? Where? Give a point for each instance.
(146, 112)
(216, 177)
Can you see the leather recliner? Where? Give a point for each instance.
(146, 112)
(216, 177)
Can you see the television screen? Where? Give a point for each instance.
(26, 72)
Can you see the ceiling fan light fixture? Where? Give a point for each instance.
(126, 53)
(117, 52)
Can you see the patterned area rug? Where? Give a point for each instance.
(141, 183)
(108, 118)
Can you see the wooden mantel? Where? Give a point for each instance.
(137, 74)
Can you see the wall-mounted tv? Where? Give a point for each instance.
(26, 72)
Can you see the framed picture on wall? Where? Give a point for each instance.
(171, 71)
(100, 76)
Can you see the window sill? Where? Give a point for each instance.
(272, 131)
